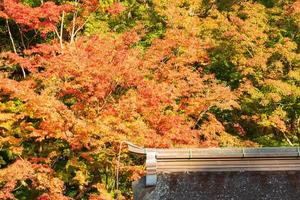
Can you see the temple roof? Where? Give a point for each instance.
(176, 160)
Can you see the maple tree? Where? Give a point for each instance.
(79, 78)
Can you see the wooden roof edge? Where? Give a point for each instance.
(217, 152)
(212, 159)
(135, 149)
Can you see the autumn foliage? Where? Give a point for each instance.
(43, 18)
(80, 78)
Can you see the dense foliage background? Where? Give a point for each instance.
(80, 78)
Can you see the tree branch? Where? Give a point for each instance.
(200, 116)
(14, 46)
(61, 30)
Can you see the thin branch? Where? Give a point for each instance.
(200, 116)
(14, 46)
(77, 30)
(22, 38)
(57, 33)
(249, 52)
(287, 139)
(105, 101)
(19, 186)
(20, 157)
(61, 29)
(118, 165)
(73, 27)
(32, 38)
(74, 23)
(10, 36)
(81, 27)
